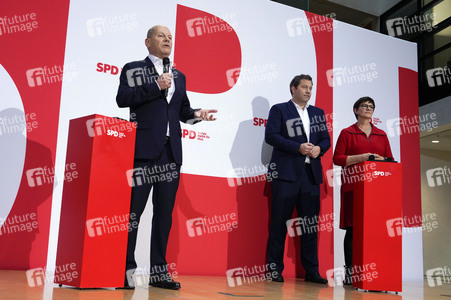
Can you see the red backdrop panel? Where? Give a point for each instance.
(323, 40)
(410, 147)
(199, 47)
(40, 48)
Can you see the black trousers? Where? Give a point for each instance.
(163, 175)
(347, 246)
(303, 194)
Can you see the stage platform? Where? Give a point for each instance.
(14, 285)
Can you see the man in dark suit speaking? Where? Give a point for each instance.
(156, 96)
(299, 135)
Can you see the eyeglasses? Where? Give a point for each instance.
(369, 107)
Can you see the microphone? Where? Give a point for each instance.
(166, 64)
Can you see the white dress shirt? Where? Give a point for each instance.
(158, 63)
(303, 113)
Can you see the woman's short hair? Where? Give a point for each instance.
(360, 102)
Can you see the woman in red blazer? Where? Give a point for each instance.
(354, 145)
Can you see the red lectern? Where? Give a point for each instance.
(95, 208)
(377, 237)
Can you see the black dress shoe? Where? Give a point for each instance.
(168, 284)
(276, 276)
(315, 277)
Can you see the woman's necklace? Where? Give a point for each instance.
(367, 131)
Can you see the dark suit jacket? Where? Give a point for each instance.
(149, 108)
(283, 132)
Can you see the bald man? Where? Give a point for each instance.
(158, 102)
